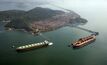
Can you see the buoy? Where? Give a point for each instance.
(13, 46)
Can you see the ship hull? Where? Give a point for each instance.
(31, 48)
(82, 45)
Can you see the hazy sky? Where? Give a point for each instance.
(29, 4)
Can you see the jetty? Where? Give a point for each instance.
(90, 31)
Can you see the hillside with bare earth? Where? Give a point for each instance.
(42, 19)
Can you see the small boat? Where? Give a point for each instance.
(33, 46)
(84, 41)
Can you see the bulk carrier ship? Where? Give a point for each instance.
(84, 41)
(34, 46)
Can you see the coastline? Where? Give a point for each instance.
(47, 22)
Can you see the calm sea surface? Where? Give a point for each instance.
(59, 53)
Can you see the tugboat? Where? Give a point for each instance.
(84, 41)
(34, 46)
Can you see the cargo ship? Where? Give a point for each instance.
(34, 46)
(84, 41)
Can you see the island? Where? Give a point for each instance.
(39, 19)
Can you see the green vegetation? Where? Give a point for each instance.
(35, 14)
(21, 19)
(79, 21)
(10, 14)
(18, 24)
(38, 13)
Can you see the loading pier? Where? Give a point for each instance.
(90, 31)
(87, 30)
